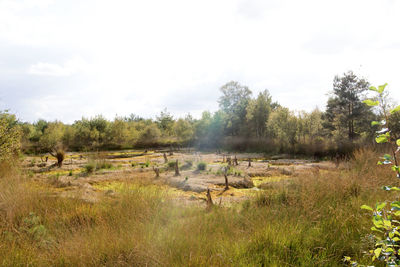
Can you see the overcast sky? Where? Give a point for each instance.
(64, 59)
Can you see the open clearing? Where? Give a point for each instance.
(76, 180)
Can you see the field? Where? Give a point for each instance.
(109, 208)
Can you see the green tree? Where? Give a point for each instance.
(52, 141)
(149, 136)
(10, 136)
(309, 125)
(234, 100)
(345, 109)
(165, 122)
(282, 125)
(91, 133)
(258, 111)
(118, 133)
(184, 130)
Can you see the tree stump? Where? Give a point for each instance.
(337, 160)
(228, 159)
(209, 199)
(157, 171)
(165, 158)
(226, 179)
(177, 168)
(249, 163)
(235, 161)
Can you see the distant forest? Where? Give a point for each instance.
(243, 123)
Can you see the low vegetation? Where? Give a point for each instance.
(314, 220)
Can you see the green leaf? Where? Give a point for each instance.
(365, 207)
(380, 206)
(387, 157)
(395, 204)
(378, 223)
(381, 88)
(387, 223)
(397, 213)
(373, 228)
(373, 88)
(395, 110)
(398, 142)
(370, 102)
(381, 139)
(377, 252)
(390, 188)
(373, 123)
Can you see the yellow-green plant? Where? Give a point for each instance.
(385, 215)
(10, 136)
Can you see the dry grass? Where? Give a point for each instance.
(312, 220)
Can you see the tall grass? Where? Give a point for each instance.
(313, 220)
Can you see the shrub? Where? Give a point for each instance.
(201, 166)
(10, 136)
(171, 164)
(90, 167)
(103, 165)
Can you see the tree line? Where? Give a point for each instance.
(243, 123)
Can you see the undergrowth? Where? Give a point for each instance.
(313, 220)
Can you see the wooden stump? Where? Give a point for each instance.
(165, 158)
(157, 172)
(226, 179)
(177, 168)
(209, 199)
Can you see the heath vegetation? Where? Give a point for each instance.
(253, 184)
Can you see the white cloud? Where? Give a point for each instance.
(70, 67)
(142, 56)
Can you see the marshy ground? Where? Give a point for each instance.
(91, 176)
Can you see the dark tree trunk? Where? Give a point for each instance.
(209, 199)
(177, 168)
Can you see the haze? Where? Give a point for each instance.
(67, 59)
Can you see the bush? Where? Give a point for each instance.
(201, 166)
(90, 167)
(10, 136)
(171, 164)
(104, 165)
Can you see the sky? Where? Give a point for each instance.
(65, 59)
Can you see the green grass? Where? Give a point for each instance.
(312, 220)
